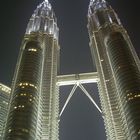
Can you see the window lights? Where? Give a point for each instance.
(23, 94)
(9, 130)
(32, 50)
(107, 80)
(22, 106)
(5, 88)
(15, 107)
(23, 85)
(19, 106)
(131, 96)
(30, 100)
(136, 96)
(25, 130)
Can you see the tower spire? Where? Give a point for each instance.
(95, 5)
(95, 1)
(43, 20)
(46, 1)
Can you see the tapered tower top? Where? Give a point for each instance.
(97, 1)
(101, 13)
(43, 9)
(43, 20)
(91, 1)
(96, 5)
(46, 1)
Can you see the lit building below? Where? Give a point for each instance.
(4, 101)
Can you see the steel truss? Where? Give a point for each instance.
(78, 80)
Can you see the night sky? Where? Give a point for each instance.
(81, 120)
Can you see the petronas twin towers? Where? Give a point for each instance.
(34, 105)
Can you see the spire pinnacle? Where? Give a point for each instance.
(96, 5)
(43, 20)
(96, 1)
(46, 1)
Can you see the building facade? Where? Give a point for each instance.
(118, 69)
(34, 105)
(4, 101)
(33, 113)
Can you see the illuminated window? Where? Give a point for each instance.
(5, 88)
(20, 84)
(25, 130)
(30, 100)
(9, 130)
(131, 96)
(23, 94)
(32, 50)
(23, 85)
(136, 96)
(22, 106)
(15, 107)
(107, 80)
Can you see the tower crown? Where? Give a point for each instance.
(43, 20)
(44, 9)
(91, 1)
(101, 13)
(96, 5)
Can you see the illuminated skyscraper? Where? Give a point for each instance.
(118, 69)
(34, 106)
(4, 100)
(33, 113)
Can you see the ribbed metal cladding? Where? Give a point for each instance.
(127, 77)
(50, 91)
(22, 118)
(99, 26)
(107, 91)
(118, 69)
(34, 106)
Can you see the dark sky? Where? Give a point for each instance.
(80, 121)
